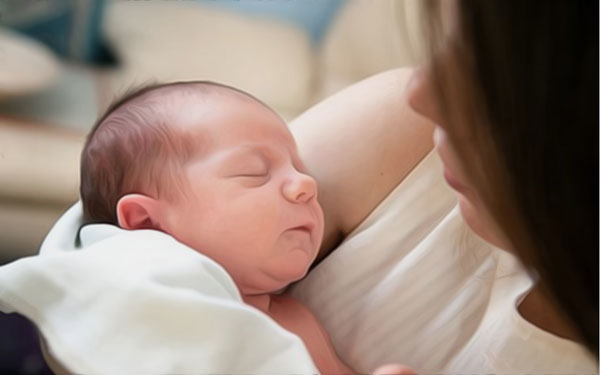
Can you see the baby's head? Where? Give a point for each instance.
(213, 167)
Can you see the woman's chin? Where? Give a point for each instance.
(478, 222)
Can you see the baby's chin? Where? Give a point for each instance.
(299, 261)
(280, 274)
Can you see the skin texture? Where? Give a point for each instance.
(246, 200)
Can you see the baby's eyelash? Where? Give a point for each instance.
(253, 180)
(252, 175)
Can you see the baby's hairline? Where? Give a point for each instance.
(143, 91)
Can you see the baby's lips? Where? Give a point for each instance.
(307, 226)
(302, 228)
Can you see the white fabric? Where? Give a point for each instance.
(413, 285)
(139, 302)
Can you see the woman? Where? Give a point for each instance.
(511, 90)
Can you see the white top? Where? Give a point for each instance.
(413, 285)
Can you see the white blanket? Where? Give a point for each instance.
(141, 302)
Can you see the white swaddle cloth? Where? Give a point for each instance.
(141, 302)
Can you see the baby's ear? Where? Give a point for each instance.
(138, 211)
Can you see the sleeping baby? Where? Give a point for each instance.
(218, 170)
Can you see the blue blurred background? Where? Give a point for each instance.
(71, 28)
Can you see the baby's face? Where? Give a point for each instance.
(249, 203)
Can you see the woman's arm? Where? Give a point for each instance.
(359, 144)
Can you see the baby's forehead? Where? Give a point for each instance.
(204, 113)
(189, 104)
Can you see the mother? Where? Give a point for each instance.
(511, 92)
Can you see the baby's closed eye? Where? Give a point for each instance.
(254, 171)
(252, 175)
(253, 180)
(252, 167)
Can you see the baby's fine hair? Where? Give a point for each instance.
(133, 149)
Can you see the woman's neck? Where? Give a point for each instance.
(540, 311)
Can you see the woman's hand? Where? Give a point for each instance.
(393, 369)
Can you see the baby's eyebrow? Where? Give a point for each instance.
(265, 152)
(238, 154)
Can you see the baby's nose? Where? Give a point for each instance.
(300, 188)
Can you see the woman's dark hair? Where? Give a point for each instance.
(517, 82)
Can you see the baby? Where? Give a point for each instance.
(219, 171)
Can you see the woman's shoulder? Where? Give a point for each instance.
(359, 144)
